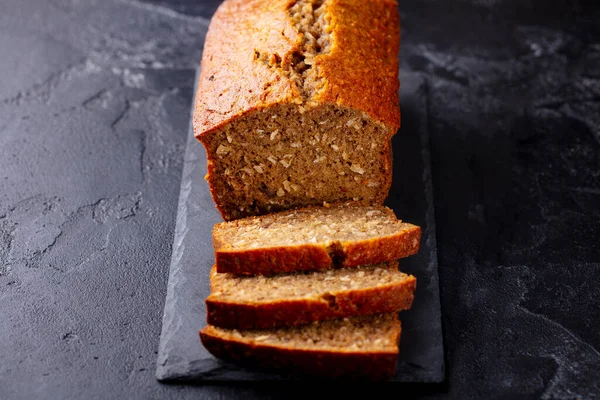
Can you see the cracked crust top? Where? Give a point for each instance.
(260, 53)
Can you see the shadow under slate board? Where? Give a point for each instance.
(182, 357)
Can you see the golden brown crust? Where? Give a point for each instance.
(358, 71)
(307, 257)
(245, 315)
(373, 251)
(362, 67)
(267, 261)
(231, 81)
(375, 366)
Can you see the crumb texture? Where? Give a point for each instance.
(373, 333)
(311, 21)
(284, 157)
(294, 286)
(337, 223)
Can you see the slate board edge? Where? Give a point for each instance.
(164, 371)
(430, 216)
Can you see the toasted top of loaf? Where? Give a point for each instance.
(338, 222)
(302, 285)
(260, 53)
(371, 333)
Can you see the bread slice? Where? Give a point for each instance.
(313, 238)
(357, 347)
(251, 302)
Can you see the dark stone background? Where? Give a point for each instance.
(94, 107)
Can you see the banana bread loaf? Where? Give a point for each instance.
(297, 102)
(312, 238)
(253, 302)
(358, 347)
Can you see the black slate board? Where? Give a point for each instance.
(182, 357)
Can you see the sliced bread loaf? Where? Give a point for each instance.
(247, 302)
(357, 347)
(312, 238)
(297, 102)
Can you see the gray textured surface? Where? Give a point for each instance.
(94, 106)
(181, 357)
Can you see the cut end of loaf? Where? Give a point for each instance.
(288, 156)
